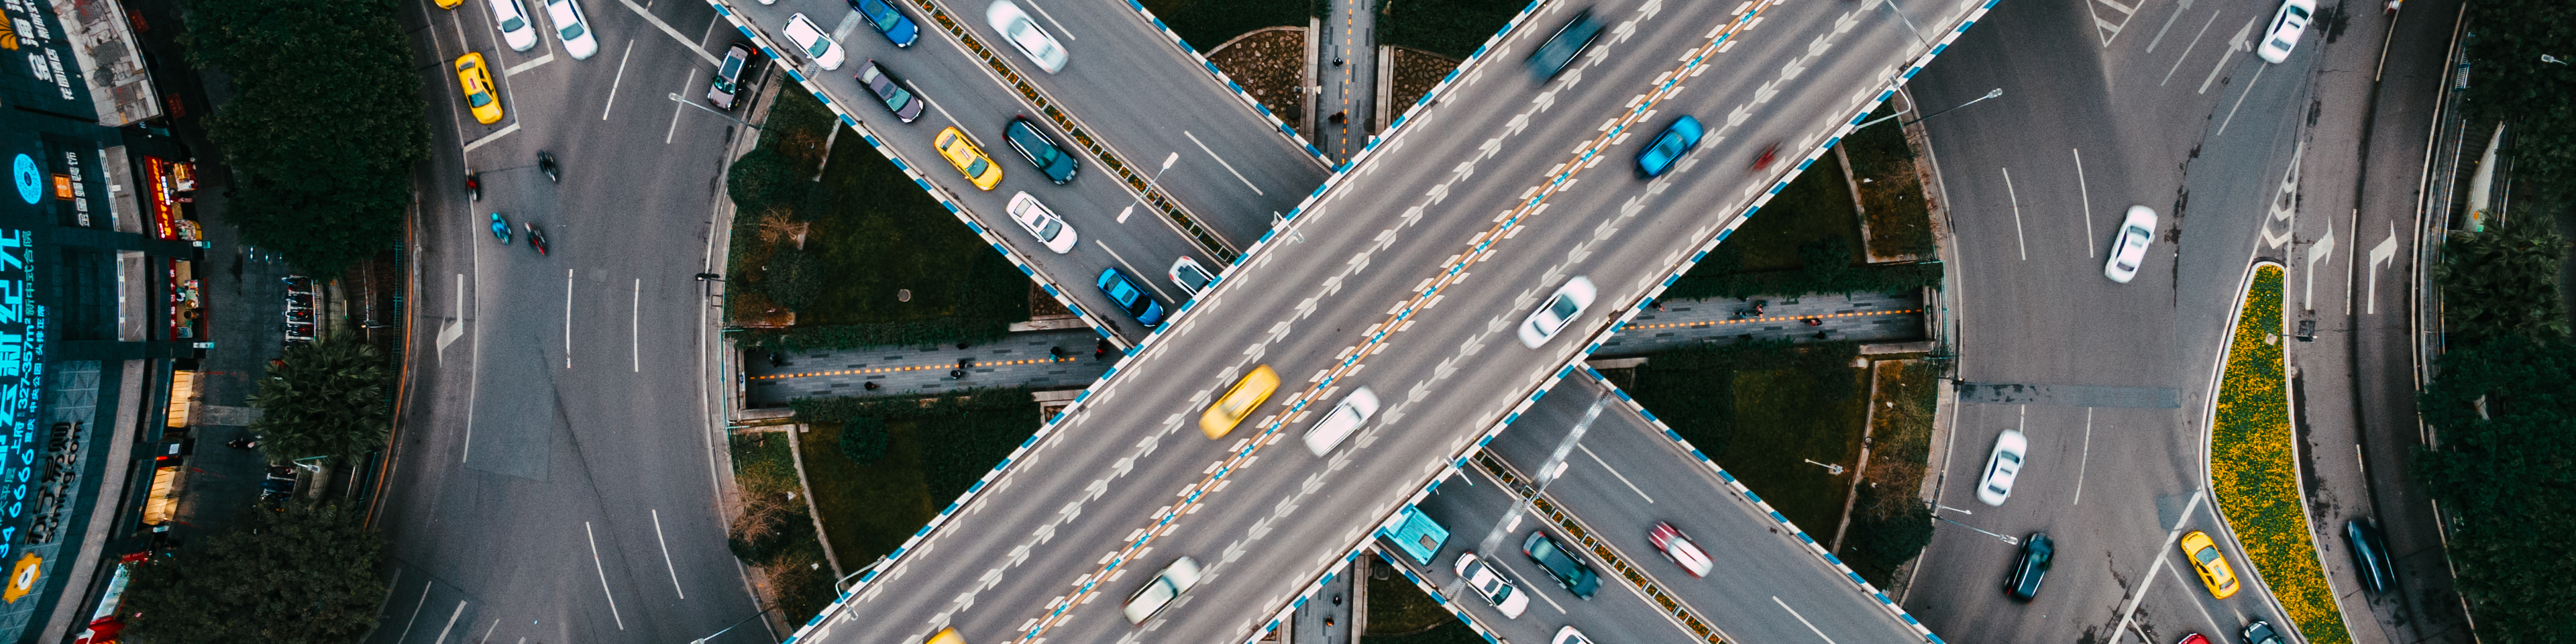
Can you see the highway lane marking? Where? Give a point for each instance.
(531, 64)
(1605, 466)
(415, 607)
(451, 623)
(619, 80)
(674, 129)
(2171, 537)
(487, 631)
(2179, 8)
(635, 327)
(2110, 30)
(567, 318)
(494, 136)
(685, 43)
(1229, 168)
(2083, 463)
(2086, 195)
(2195, 600)
(455, 326)
(1573, 529)
(1059, 27)
(1059, 608)
(666, 555)
(2018, 240)
(1802, 619)
(2240, 99)
(2234, 44)
(603, 575)
(2186, 50)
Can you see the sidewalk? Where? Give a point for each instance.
(1867, 317)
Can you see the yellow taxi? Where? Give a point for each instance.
(968, 159)
(476, 79)
(1238, 402)
(2211, 563)
(945, 636)
(449, 4)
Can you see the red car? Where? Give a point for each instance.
(1678, 547)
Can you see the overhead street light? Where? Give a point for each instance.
(2546, 58)
(1168, 160)
(1996, 92)
(710, 636)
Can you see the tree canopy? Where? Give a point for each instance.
(2506, 473)
(2508, 81)
(304, 575)
(324, 126)
(2504, 281)
(324, 399)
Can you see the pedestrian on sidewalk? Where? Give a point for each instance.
(1341, 117)
(1337, 60)
(244, 442)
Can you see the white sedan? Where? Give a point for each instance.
(2287, 23)
(1025, 35)
(1346, 417)
(2129, 244)
(1492, 586)
(1041, 223)
(1561, 307)
(512, 19)
(816, 43)
(1162, 589)
(571, 28)
(2002, 467)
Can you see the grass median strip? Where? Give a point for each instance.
(2253, 466)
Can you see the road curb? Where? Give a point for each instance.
(770, 49)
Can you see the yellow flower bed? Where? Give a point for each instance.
(2253, 471)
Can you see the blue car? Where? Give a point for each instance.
(888, 21)
(1131, 296)
(1677, 140)
(1559, 50)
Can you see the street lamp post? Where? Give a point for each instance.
(1168, 160)
(1990, 94)
(2546, 58)
(675, 98)
(711, 636)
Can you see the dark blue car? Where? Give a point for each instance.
(1131, 296)
(1677, 139)
(1560, 48)
(888, 21)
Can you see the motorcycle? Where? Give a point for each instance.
(474, 185)
(546, 162)
(500, 229)
(535, 238)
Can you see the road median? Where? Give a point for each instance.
(2254, 470)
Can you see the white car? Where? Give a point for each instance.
(2287, 23)
(1190, 276)
(1491, 585)
(1560, 309)
(2002, 467)
(1679, 548)
(1568, 635)
(570, 27)
(816, 43)
(1041, 223)
(1025, 34)
(1346, 417)
(2129, 244)
(1162, 589)
(512, 19)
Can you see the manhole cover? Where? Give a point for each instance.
(903, 295)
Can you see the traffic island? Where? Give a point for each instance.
(2254, 470)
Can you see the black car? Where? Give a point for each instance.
(1033, 144)
(2261, 632)
(2037, 553)
(2369, 555)
(1568, 571)
(1560, 49)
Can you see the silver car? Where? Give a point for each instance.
(2129, 244)
(1560, 309)
(1162, 589)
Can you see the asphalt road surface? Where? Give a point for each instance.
(556, 479)
(1234, 169)
(2158, 104)
(1343, 306)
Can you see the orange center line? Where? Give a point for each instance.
(846, 372)
(1668, 325)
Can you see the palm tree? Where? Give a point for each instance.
(325, 399)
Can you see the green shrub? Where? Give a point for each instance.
(762, 179)
(2506, 475)
(864, 440)
(1452, 28)
(794, 278)
(963, 434)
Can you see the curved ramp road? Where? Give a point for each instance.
(1489, 199)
